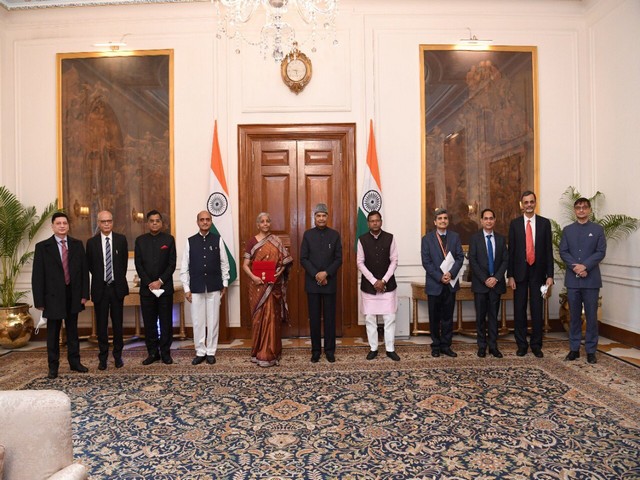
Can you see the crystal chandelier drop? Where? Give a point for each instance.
(276, 35)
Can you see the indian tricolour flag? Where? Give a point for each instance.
(219, 205)
(371, 195)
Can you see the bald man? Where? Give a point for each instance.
(205, 277)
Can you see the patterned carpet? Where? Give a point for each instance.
(421, 418)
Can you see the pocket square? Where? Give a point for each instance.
(591, 234)
(164, 247)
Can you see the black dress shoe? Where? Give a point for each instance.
(79, 368)
(102, 366)
(151, 359)
(591, 358)
(522, 351)
(435, 353)
(197, 360)
(482, 352)
(167, 360)
(393, 356)
(315, 358)
(449, 353)
(572, 355)
(330, 357)
(52, 374)
(372, 354)
(211, 359)
(538, 353)
(495, 352)
(119, 363)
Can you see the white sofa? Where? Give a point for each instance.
(35, 430)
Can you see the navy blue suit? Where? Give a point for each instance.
(487, 300)
(441, 297)
(583, 244)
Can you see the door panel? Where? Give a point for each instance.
(286, 171)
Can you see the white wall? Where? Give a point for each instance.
(614, 77)
(373, 73)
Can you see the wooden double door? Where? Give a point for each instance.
(286, 170)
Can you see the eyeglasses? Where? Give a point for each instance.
(582, 207)
(105, 221)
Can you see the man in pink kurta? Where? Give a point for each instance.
(377, 260)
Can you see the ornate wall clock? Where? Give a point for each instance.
(295, 69)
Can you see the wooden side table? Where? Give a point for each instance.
(133, 300)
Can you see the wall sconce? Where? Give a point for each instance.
(113, 46)
(136, 216)
(80, 211)
(473, 209)
(472, 43)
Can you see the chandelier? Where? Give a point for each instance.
(277, 34)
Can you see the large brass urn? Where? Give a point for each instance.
(16, 326)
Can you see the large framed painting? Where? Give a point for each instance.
(479, 133)
(115, 139)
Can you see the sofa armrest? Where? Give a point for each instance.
(75, 471)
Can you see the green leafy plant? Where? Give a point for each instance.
(616, 226)
(19, 225)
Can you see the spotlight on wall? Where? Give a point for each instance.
(472, 43)
(113, 46)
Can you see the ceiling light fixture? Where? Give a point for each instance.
(277, 34)
(472, 43)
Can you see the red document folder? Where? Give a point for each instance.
(264, 270)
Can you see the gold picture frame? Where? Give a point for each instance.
(115, 139)
(479, 133)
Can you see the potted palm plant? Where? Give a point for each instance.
(616, 227)
(19, 225)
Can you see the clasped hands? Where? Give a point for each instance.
(446, 278)
(580, 270)
(321, 278)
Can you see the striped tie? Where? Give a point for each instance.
(108, 268)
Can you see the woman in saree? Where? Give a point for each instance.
(267, 300)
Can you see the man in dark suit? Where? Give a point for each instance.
(107, 258)
(321, 257)
(530, 267)
(582, 248)
(441, 285)
(60, 285)
(488, 258)
(155, 259)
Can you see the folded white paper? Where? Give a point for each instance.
(42, 321)
(157, 292)
(543, 290)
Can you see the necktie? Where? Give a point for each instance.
(65, 262)
(490, 255)
(531, 252)
(108, 268)
(444, 239)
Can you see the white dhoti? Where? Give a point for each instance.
(385, 304)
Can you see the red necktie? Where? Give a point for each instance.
(531, 251)
(65, 262)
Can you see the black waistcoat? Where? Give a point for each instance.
(376, 258)
(205, 274)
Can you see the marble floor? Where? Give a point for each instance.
(605, 346)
